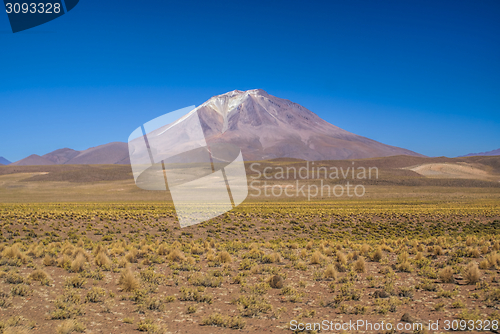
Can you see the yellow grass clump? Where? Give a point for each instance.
(330, 272)
(359, 265)
(176, 255)
(316, 258)
(446, 275)
(472, 273)
(102, 260)
(224, 257)
(78, 263)
(127, 281)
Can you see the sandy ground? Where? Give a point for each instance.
(446, 170)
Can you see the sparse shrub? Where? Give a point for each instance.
(446, 275)
(162, 249)
(64, 262)
(13, 278)
(38, 275)
(378, 255)
(252, 306)
(474, 253)
(472, 274)
(96, 295)
(224, 257)
(20, 290)
(5, 300)
(438, 251)
(49, 261)
(152, 304)
(458, 304)
(75, 282)
(149, 276)
(271, 258)
(127, 281)
(405, 267)
(199, 279)
(102, 261)
(78, 263)
(70, 326)
(439, 306)
(170, 299)
(147, 325)
(365, 248)
(131, 256)
(176, 255)
(330, 272)
(359, 265)
(484, 264)
(316, 258)
(189, 294)
(219, 320)
(291, 294)
(427, 285)
(493, 260)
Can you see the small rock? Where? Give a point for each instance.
(380, 294)
(408, 318)
(276, 282)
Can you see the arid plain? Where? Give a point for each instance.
(84, 250)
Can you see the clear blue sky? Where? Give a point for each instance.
(423, 75)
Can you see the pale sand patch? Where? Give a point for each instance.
(448, 170)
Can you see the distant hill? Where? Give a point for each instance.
(33, 160)
(112, 153)
(489, 153)
(4, 161)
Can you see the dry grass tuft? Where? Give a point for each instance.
(48, 261)
(316, 258)
(102, 260)
(176, 255)
(224, 257)
(16, 330)
(446, 275)
(330, 272)
(359, 265)
(127, 281)
(78, 263)
(39, 275)
(70, 326)
(219, 320)
(472, 273)
(378, 255)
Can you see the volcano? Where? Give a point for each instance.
(267, 127)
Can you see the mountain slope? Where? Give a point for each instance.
(4, 161)
(489, 153)
(112, 153)
(268, 127)
(61, 156)
(32, 160)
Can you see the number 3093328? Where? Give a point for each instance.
(32, 8)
